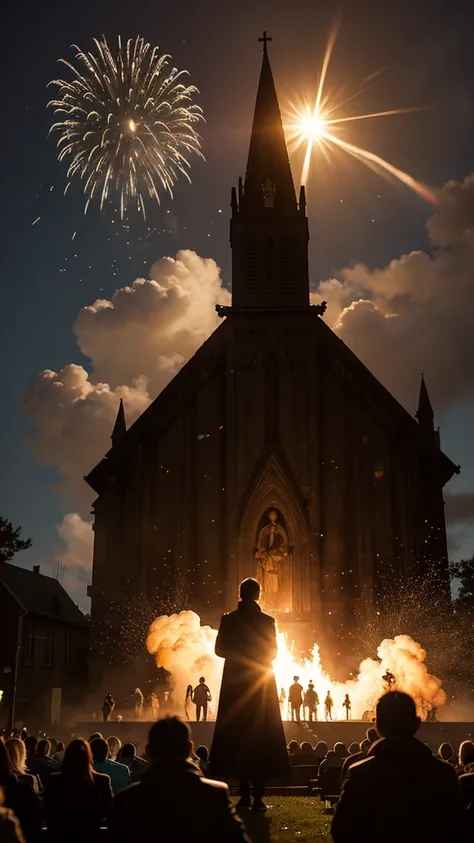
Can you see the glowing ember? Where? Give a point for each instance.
(185, 648)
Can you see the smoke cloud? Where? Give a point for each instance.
(185, 648)
(136, 342)
(413, 316)
(76, 558)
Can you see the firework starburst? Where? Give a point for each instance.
(321, 123)
(127, 122)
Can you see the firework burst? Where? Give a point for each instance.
(127, 123)
(320, 123)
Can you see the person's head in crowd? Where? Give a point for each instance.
(466, 753)
(340, 750)
(202, 753)
(321, 749)
(127, 752)
(353, 748)
(53, 745)
(95, 736)
(31, 742)
(396, 716)
(99, 748)
(306, 748)
(332, 760)
(293, 748)
(249, 590)
(114, 745)
(17, 753)
(169, 741)
(43, 750)
(59, 746)
(365, 745)
(446, 751)
(5, 765)
(372, 735)
(77, 761)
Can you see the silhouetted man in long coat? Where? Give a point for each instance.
(249, 741)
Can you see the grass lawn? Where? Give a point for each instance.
(289, 819)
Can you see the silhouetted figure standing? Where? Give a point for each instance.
(328, 704)
(347, 705)
(389, 680)
(311, 702)
(295, 698)
(188, 701)
(108, 707)
(201, 697)
(138, 703)
(282, 701)
(249, 742)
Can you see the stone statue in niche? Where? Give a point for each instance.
(271, 552)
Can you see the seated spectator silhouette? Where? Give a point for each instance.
(329, 762)
(17, 754)
(119, 773)
(59, 754)
(294, 753)
(202, 753)
(465, 758)
(114, 745)
(77, 800)
(20, 798)
(401, 792)
(341, 751)
(173, 802)
(353, 748)
(10, 831)
(370, 738)
(320, 751)
(446, 752)
(128, 755)
(39, 763)
(306, 755)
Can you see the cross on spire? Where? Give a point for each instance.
(266, 38)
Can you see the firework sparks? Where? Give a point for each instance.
(127, 123)
(320, 124)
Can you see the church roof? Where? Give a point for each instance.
(212, 354)
(40, 595)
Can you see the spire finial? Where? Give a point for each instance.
(266, 38)
(120, 426)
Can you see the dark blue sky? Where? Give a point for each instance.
(425, 48)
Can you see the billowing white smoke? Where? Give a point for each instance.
(411, 316)
(185, 648)
(181, 645)
(136, 342)
(78, 538)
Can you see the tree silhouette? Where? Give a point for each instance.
(11, 541)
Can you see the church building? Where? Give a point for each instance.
(273, 453)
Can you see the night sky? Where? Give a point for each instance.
(425, 51)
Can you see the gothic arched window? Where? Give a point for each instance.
(268, 193)
(287, 263)
(252, 264)
(270, 265)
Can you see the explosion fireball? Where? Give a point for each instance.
(181, 645)
(127, 122)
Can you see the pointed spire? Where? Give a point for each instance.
(120, 427)
(268, 180)
(425, 414)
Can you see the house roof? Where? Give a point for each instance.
(40, 595)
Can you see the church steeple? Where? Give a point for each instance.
(120, 427)
(425, 414)
(269, 230)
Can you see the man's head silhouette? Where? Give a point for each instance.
(249, 590)
(169, 740)
(396, 716)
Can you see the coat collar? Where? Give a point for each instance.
(248, 606)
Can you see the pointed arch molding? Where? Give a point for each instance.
(272, 486)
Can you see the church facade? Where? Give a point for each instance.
(274, 452)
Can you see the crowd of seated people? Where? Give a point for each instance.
(390, 784)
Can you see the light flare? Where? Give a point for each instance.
(320, 124)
